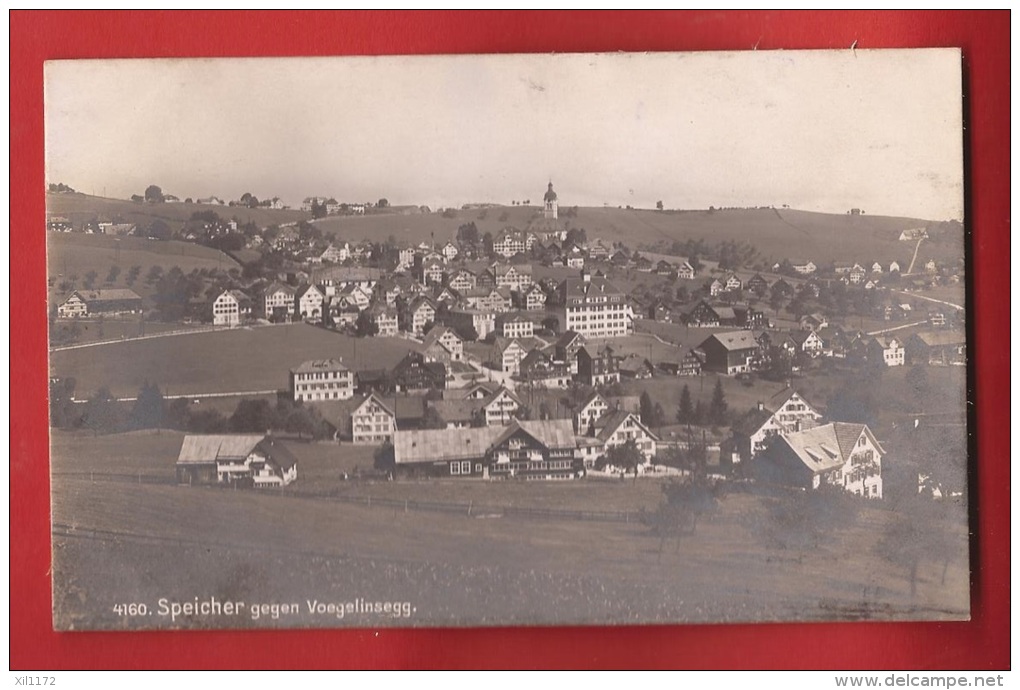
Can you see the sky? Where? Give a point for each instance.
(816, 130)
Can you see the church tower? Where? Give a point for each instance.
(551, 207)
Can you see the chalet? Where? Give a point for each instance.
(894, 266)
(456, 414)
(598, 251)
(937, 348)
(96, 302)
(617, 427)
(231, 308)
(733, 283)
(913, 234)
(620, 258)
(308, 302)
(704, 315)
(514, 326)
(488, 299)
(462, 280)
(532, 298)
(442, 344)
(405, 259)
(876, 267)
(322, 379)
(378, 381)
(334, 254)
(385, 319)
(337, 312)
(566, 347)
(513, 276)
(373, 421)
(664, 268)
(804, 267)
(510, 242)
(500, 407)
(748, 317)
(255, 460)
(685, 271)
(785, 412)
(593, 408)
(813, 321)
(598, 369)
(691, 363)
(444, 295)
(354, 296)
(857, 274)
(276, 302)
(525, 450)
(660, 311)
(507, 355)
(757, 284)
(781, 289)
(888, 351)
(930, 267)
(431, 271)
(450, 251)
(729, 353)
(807, 341)
(642, 264)
(835, 454)
(715, 287)
(418, 313)
(413, 372)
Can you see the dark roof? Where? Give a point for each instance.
(733, 340)
(752, 421)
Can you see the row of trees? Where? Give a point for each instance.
(103, 414)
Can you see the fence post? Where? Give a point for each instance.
(405, 505)
(470, 505)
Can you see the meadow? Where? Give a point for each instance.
(116, 540)
(242, 359)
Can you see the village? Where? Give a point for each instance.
(524, 348)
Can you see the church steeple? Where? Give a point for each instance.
(551, 205)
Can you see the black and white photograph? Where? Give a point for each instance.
(507, 340)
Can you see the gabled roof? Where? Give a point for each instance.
(206, 448)
(278, 287)
(551, 433)
(500, 393)
(567, 339)
(752, 422)
(939, 338)
(108, 294)
(733, 340)
(314, 365)
(829, 446)
(427, 445)
(456, 410)
(435, 335)
(304, 289)
(378, 400)
(607, 425)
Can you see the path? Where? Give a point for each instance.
(200, 396)
(929, 299)
(896, 328)
(910, 269)
(165, 334)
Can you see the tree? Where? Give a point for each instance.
(252, 416)
(467, 234)
(685, 503)
(113, 274)
(149, 409)
(648, 416)
(90, 279)
(100, 415)
(802, 522)
(431, 418)
(718, 407)
(133, 274)
(153, 194)
(365, 326)
(626, 456)
(318, 210)
(658, 205)
(159, 230)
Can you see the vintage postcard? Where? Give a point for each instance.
(507, 340)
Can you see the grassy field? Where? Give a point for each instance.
(121, 541)
(777, 234)
(81, 208)
(243, 359)
(74, 254)
(114, 328)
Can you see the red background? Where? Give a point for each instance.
(984, 38)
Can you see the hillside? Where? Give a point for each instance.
(75, 254)
(778, 234)
(80, 208)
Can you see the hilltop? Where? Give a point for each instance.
(81, 208)
(778, 234)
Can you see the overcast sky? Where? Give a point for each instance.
(824, 130)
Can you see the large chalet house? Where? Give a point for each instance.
(566, 347)
(507, 355)
(837, 454)
(322, 379)
(308, 302)
(599, 368)
(477, 406)
(887, 351)
(94, 302)
(414, 372)
(539, 368)
(231, 308)
(442, 344)
(785, 412)
(514, 276)
(373, 421)
(420, 312)
(242, 460)
(511, 241)
(332, 279)
(531, 298)
(730, 353)
(617, 427)
(276, 302)
(524, 450)
(595, 308)
(462, 280)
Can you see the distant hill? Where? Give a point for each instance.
(778, 234)
(81, 208)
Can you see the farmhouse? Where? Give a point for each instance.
(413, 372)
(322, 379)
(836, 454)
(507, 355)
(599, 369)
(335, 255)
(757, 284)
(334, 278)
(539, 369)
(385, 319)
(531, 298)
(373, 421)
(231, 308)
(786, 412)
(246, 460)
(308, 302)
(515, 277)
(888, 351)
(442, 344)
(277, 303)
(526, 450)
(464, 321)
(515, 326)
(937, 348)
(804, 267)
(617, 427)
(462, 280)
(420, 312)
(106, 302)
(729, 353)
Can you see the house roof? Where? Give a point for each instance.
(612, 420)
(829, 446)
(551, 433)
(568, 338)
(278, 453)
(578, 288)
(206, 448)
(314, 365)
(939, 338)
(278, 287)
(378, 400)
(429, 445)
(456, 410)
(110, 294)
(435, 334)
(750, 423)
(304, 289)
(733, 340)
(800, 337)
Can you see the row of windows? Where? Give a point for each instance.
(463, 467)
